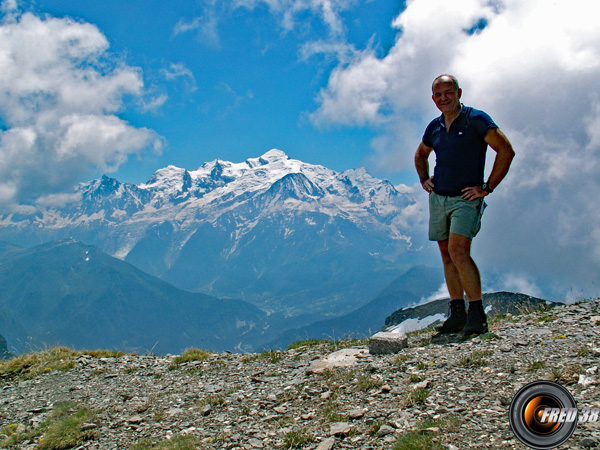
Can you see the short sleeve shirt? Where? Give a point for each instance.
(460, 152)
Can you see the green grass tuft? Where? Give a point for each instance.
(176, 443)
(416, 440)
(415, 397)
(308, 343)
(273, 356)
(191, 354)
(423, 438)
(475, 359)
(33, 364)
(536, 365)
(61, 430)
(367, 382)
(297, 438)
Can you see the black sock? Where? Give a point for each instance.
(459, 301)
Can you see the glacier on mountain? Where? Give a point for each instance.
(228, 228)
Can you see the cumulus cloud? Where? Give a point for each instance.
(514, 282)
(442, 292)
(60, 92)
(532, 66)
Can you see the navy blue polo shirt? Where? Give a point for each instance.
(460, 152)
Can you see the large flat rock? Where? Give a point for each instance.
(342, 358)
(383, 343)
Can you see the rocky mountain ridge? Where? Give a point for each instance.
(435, 395)
(413, 318)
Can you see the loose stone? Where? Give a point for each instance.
(455, 393)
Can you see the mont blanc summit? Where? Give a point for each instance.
(286, 235)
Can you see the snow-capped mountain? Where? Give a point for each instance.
(287, 235)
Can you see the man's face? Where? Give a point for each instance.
(445, 96)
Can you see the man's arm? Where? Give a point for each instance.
(497, 140)
(422, 166)
(504, 155)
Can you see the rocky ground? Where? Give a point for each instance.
(436, 394)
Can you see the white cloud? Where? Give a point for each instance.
(441, 293)
(575, 296)
(153, 103)
(207, 26)
(9, 8)
(520, 283)
(413, 218)
(290, 15)
(57, 200)
(179, 70)
(342, 51)
(356, 93)
(288, 11)
(59, 95)
(532, 66)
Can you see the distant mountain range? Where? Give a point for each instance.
(231, 256)
(408, 289)
(404, 296)
(68, 293)
(290, 237)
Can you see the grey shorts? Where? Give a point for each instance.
(454, 215)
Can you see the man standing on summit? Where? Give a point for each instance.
(460, 138)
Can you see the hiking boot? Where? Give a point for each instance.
(476, 322)
(457, 318)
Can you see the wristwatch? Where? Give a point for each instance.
(486, 187)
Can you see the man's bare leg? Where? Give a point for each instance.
(451, 274)
(458, 314)
(462, 276)
(459, 250)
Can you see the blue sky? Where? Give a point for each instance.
(236, 88)
(128, 87)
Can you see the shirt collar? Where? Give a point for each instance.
(461, 113)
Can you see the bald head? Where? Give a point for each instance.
(446, 79)
(446, 95)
